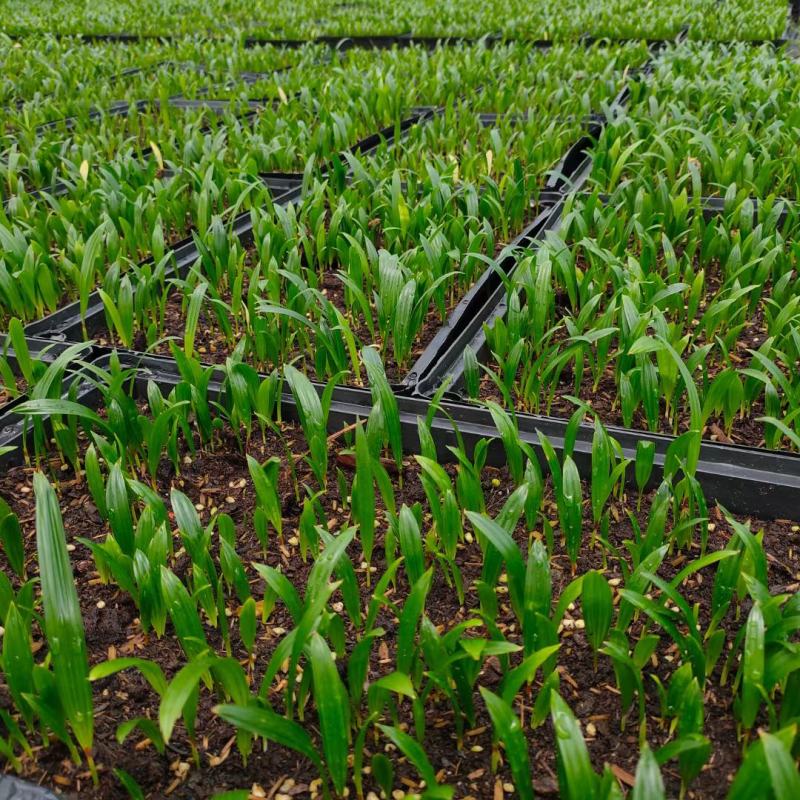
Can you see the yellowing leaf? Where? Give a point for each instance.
(282, 95)
(157, 154)
(454, 161)
(84, 170)
(489, 161)
(402, 211)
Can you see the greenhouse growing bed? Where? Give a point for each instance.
(399, 400)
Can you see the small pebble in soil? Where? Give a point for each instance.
(101, 604)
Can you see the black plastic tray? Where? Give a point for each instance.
(43, 350)
(387, 41)
(59, 188)
(120, 107)
(218, 106)
(117, 109)
(488, 119)
(19, 102)
(576, 166)
(481, 304)
(721, 463)
(432, 42)
(745, 480)
(791, 33)
(709, 206)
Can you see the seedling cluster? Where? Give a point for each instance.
(400, 400)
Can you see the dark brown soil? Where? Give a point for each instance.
(217, 479)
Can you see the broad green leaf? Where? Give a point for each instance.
(271, 726)
(63, 623)
(782, 767)
(178, 692)
(649, 785)
(597, 602)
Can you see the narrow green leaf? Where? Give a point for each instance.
(11, 538)
(193, 317)
(753, 666)
(413, 751)
(576, 779)
(178, 692)
(330, 698)
(508, 729)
